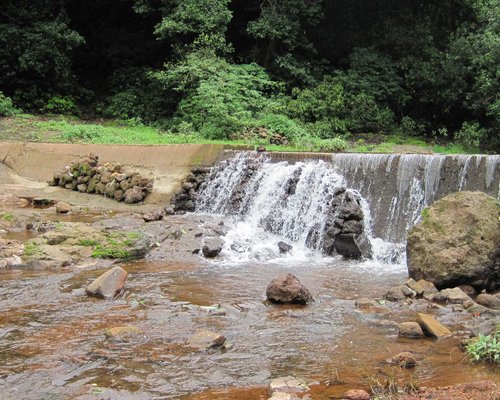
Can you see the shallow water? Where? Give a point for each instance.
(52, 343)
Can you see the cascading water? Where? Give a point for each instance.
(271, 199)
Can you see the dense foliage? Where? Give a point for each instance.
(305, 69)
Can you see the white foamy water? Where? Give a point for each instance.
(267, 202)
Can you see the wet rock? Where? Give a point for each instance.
(212, 248)
(62, 207)
(288, 384)
(457, 242)
(122, 333)
(288, 289)
(156, 215)
(284, 247)
(169, 210)
(488, 300)
(395, 294)
(133, 195)
(356, 394)
(283, 396)
(429, 288)
(350, 211)
(452, 296)
(351, 226)
(408, 292)
(415, 286)
(403, 360)
(353, 246)
(365, 302)
(261, 149)
(431, 326)
(206, 340)
(468, 290)
(410, 330)
(109, 284)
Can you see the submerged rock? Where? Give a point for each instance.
(109, 284)
(457, 242)
(365, 302)
(288, 289)
(395, 294)
(206, 340)
(403, 360)
(122, 332)
(156, 215)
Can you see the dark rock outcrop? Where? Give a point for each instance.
(458, 242)
(185, 199)
(288, 289)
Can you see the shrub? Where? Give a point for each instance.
(364, 114)
(7, 109)
(219, 98)
(486, 347)
(82, 132)
(410, 127)
(61, 105)
(281, 124)
(311, 143)
(470, 135)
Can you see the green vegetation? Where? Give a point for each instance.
(115, 245)
(486, 347)
(88, 242)
(7, 216)
(31, 250)
(311, 75)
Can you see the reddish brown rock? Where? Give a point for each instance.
(410, 330)
(403, 360)
(356, 394)
(109, 284)
(288, 289)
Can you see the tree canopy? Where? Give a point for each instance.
(295, 67)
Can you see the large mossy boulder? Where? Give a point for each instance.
(457, 242)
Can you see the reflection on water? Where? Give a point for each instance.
(52, 342)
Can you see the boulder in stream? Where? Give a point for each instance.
(212, 248)
(351, 245)
(457, 242)
(288, 289)
(109, 284)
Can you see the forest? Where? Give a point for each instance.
(291, 70)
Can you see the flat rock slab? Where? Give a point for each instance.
(488, 300)
(109, 284)
(206, 340)
(288, 384)
(356, 394)
(452, 296)
(431, 326)
(122, 332)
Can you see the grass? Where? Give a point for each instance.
(31, 250)
(8, 217)
(115, 245)
(69, 129)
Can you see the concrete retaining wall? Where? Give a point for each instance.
(167, 164)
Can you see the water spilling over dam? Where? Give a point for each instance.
(289, 195)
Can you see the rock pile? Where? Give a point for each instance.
(87, 176)
(185, 200)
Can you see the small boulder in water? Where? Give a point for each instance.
(122, 333)
(403, 360)
(62, 207)
(288, 289)
(395, 294)
(410, 330)
(452, 296)
(156, 215)
(488, 300)
(353, 246)
(109, 284)
(212, 248)
(284, 247)
(206, 340)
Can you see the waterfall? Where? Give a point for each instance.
(276, 197)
